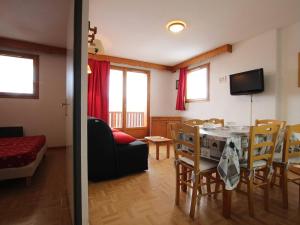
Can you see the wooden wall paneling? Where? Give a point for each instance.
(160, 125)
(18, 45)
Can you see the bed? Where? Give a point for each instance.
(20, 156)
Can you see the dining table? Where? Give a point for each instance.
(228, 146)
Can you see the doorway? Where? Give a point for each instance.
(129, 100)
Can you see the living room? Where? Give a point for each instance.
(265, 38)
(149, 112)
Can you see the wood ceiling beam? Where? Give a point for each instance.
(130, 62)
(203, 56)
(13, 44)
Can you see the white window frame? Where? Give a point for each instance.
(207, 66)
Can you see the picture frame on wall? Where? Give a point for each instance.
(177, 82)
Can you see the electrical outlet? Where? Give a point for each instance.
(223, 79)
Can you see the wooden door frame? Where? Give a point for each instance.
(147, 72)
(77, 184)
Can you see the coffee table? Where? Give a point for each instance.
(158, 141)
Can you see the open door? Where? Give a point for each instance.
(129, 100)
(76, 111)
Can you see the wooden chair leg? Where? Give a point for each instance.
(208, 184)
(218, 182)
(238, 188)
(266, 190)
(184, 177)
(250, 196)
(177, 185)
(194, 196)
(281, 172)
(285, 190)
(273, 180)
(200, 185)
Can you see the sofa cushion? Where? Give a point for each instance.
(132, 157)
(123, 138)
(114, 130)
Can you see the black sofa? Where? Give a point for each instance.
(108, 160)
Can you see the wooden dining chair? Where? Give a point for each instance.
(277, 162)
(216, 121)
(291, 157)
(194, 122)
(198, 122)
(186, 141)
(262, 140)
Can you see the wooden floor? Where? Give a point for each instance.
(148, 198)
(44, 202)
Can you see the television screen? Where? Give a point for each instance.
(248, 82)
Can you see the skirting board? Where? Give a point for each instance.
(57, 148)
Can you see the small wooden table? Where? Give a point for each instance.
(157, 140)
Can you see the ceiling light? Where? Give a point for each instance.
(176, 26)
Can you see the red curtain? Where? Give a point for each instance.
(98, 89)
(180, 102)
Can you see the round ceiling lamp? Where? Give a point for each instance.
(176, 26)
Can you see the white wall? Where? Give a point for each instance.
(161, 93)
(290, 92)
(43, 115)
(257, 52)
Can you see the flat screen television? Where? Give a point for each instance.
(249, 82)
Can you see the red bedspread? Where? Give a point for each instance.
(20, 151)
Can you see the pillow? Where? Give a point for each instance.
(114, 130)
(123, 138)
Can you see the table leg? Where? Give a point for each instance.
(168, 150)
(184, 177)
(157, 151)
(227, 203)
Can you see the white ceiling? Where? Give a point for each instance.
(136, 28)
(40, 21)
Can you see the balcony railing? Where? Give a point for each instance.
(115, 119)
(133, 119)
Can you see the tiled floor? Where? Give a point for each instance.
(147, 198)
(44, 202)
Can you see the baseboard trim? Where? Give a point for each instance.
(57, 148)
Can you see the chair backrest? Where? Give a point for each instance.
(280, 123)
(291, 143)
(186, 141)
(216, 121)
(262, 141)
(195, 122)
(280, 139)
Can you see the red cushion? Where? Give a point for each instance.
(123, 138)
(114, 130)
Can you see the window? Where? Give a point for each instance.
(18, 75)
(197, 84)
(129, 100)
